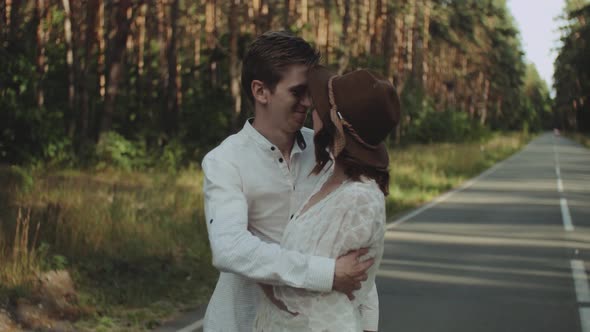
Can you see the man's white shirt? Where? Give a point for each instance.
(250, 195)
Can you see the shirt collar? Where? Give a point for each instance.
(265, 144)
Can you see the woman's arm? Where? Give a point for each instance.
(365, 227)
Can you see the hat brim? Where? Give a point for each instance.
(318, 78)
(378, 158)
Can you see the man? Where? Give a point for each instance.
(256, 179)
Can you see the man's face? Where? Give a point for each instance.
(288, 105)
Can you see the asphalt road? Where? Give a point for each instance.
(498, 255)
(507, 252)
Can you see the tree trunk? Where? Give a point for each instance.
(116, 50)
(3, 20)
(425, 41)
(173, 88)
(234, 63)
(344, 39)
(101, 49)
(365, 30)
(388, 43)
(141, 26)
(378, 21)
(268, 12)
(286, 17)
(327, 28)
(398, 48)
(253, 12)
(41, 66)
(411, 29)
(211, 33)
(13, 18)
(70, 63)
(163, 45)
(484, 106)
(90, 41)
(197, 29)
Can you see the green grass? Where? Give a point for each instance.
(419, 173)
(581, 138)
(136, 243)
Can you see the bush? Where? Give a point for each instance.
(116, 151)
(431, 126)
(172, 157)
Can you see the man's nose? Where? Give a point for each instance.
(306, 100)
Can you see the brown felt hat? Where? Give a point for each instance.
(363, 106)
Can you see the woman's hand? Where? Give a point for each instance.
(269, 292)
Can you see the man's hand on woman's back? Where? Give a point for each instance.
(349, 272)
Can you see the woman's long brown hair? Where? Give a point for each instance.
(323, 141)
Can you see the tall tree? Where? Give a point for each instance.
(234, 64)
(69, 56)
(87, 80)
(117, 45)
(173, 95)
(572, 68)
(41, 12)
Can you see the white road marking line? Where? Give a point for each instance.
(580, 280)
(578, 269)
(582, 292)
(565, 215)
(442, 198)
(565, 211)
(559, 185)
(196, 325)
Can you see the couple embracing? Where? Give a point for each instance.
(296, 217)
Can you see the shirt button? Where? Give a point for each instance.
(280, 160)
(272, 148)
(291, 216)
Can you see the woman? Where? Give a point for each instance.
(353, 115)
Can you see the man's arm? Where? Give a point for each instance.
(235, 249)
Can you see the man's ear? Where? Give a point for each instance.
(259, 92)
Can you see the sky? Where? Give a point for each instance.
(538, 32)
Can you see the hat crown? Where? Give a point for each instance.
(368, 102)
(368, 105)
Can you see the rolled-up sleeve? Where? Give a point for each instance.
(236, 250)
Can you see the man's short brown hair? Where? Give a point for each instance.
(270, 54)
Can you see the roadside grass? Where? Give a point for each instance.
(136, 243)
(582, 138)
(420, 173)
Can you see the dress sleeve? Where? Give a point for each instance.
(364, 227)
(370, 310)
(236, 250)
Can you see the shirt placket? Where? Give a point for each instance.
(293, 199)
(289, 175)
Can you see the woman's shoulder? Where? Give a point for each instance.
(364, 202)
(364, 197)
(365, 188)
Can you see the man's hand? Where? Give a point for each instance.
(350, 272)
(269, 292)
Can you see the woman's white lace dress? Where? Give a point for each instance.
(351, 217)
